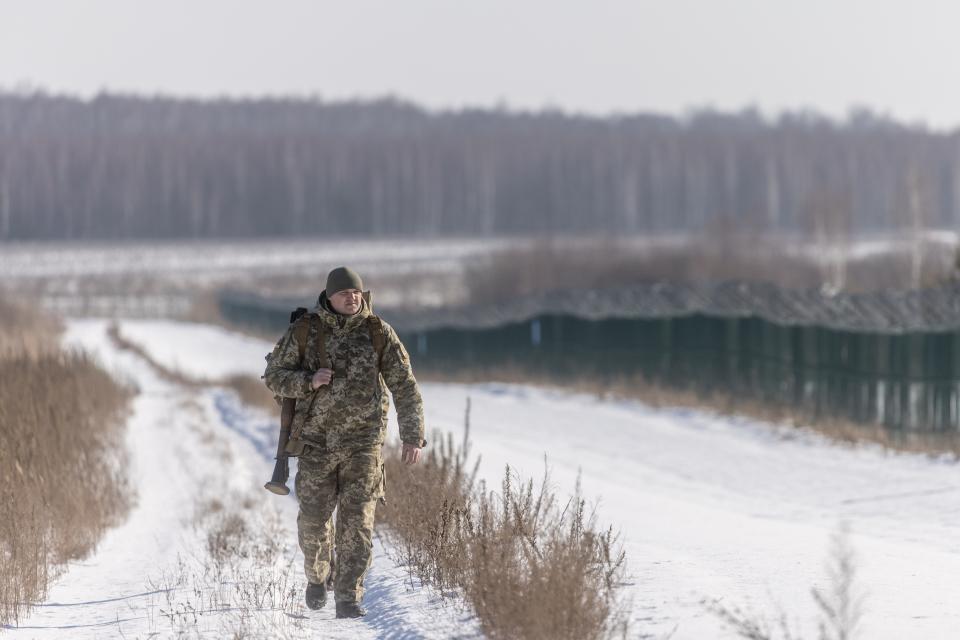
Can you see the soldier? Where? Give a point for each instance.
(338, 378)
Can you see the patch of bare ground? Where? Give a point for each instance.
(530, 564)
(62, 457)
(638, 387)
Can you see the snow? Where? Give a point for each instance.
(708, 506)
(217, 261)
(211, 262)
(162, 279)
(198, 350)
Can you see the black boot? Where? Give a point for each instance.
(316, 595)
(350, 610)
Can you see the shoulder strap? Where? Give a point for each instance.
(378, 336)
(301, 331)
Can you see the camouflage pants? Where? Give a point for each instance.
(350, 481)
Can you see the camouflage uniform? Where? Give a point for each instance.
(343, 424)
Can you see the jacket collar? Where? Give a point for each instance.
(339, 322)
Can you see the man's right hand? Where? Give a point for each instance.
(321, 377)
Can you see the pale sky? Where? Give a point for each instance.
(598, 56)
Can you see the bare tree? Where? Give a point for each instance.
(128, 167)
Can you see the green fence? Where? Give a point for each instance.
(904, 381)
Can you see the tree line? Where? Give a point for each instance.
(118, 166)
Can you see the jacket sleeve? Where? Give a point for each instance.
(398, 375)
(283, 374)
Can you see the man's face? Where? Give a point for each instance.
(346, 302)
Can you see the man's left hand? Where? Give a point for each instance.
(410, 454)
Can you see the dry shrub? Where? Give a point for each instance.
(588, 263)
(61, 466)
(226, 538)
(530, 565)
(604, 262)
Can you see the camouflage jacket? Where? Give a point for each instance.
(351, 411)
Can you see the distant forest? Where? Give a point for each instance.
(117, 167)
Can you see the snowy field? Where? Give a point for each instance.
(221, 261)
(163, 279)
(160, 279)
(709, 507)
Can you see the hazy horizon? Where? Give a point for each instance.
(691, 113)
(607, 57)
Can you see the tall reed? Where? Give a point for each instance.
(62, 453)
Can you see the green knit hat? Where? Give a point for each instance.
(343, 278)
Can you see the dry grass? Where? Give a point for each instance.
(61, 458)
(226, 539)
(252, 391)
(604, 262)
(242, 587)
(530, 565)
(25, 331)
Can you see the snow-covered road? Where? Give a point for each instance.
(709, 507)
(150, 577)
